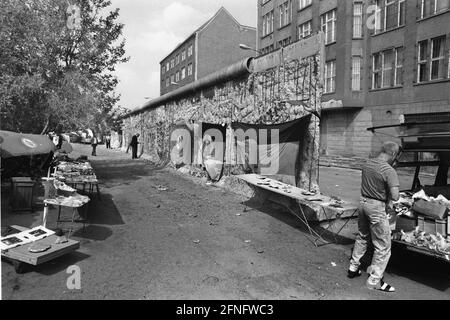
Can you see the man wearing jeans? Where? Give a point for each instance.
(379, 186)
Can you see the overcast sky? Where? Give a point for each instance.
(153, 28)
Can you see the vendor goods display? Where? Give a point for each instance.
(422, 239)
(74, 201)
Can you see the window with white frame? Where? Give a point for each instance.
(398, 76)
(304, 30)
(183, 73)
(267, 24)
(172, 78)
(356, 73)
(389, 14)
(330, 76)
(167, 66)
(387, 58)
(285, 13)
(432, 7)
(387, 68)
(437, 58)
(376, 70)
(328, 22)
(183, 55)
(177, 76)
(357, 19)
(448, 65)
(304, 3)
(163, 69)
(172, 63)
(177, 59)
(189, 69)
(190, 50)
(422, 61)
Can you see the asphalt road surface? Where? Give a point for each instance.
(187, 240)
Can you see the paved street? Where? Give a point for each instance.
(188, 242)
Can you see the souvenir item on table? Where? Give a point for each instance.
(433, 242)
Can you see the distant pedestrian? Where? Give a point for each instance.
(379, 186)
(94, 143)
(108, 142)
(134, 146)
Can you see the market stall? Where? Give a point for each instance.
(422, 214)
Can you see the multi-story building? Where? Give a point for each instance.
(384, 60)
(211, 47)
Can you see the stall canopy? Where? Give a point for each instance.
(14, 144)
(420, 137)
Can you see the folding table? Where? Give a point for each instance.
(323, 209)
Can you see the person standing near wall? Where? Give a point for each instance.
(108, 141)
(379, 186)
(94, 143)
(134, 146)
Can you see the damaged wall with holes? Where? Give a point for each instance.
(278, 88)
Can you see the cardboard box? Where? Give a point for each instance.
(406, 224)
(431, 209)
(433, 226)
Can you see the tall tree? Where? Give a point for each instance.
(56, 63)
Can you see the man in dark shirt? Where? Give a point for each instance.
(134, 146)
(379, 186)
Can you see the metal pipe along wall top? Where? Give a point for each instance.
(233, 71)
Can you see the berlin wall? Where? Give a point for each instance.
(279, 87)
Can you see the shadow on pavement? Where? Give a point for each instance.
(282, 214)
(119, 172)
(92, 232)
(103, 211)
(417, 267)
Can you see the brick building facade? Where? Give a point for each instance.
(383, 59)
(211, 47)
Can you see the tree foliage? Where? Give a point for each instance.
(56, 75)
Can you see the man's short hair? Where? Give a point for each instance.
(390, 148)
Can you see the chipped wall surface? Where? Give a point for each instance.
(282, 93)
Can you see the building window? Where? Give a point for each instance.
(189, 69)
(432, 7)
(167, 82)
(284, 43)
(172, 63)
(389, 14)
(356, 73)
(172, 78)
(267, 49)
(437, 58)
(285, 13)
(183, 73)
(376, 71)
(267, 24)
(177, 76)
(387, 58)
(163, 70)
(387, 68)
(330, 77)
(190, 50)
(183, 55)
(328, 22)
(304, 3)
(422, 62)
(357, 19)
(398, 77)
(304, 30)
(167, 66)
(177, 61)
